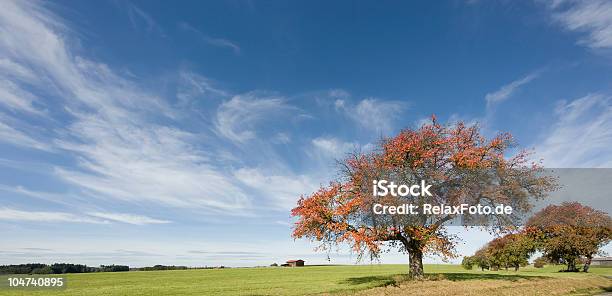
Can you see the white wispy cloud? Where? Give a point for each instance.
(148, 163)
(508, 90)
(193, 86)
(36, 216)
(283, 223)
(16, 70)
(11, 135)
(218, 42)
(122, 152)
(333, 147)
(593, 18)
(141, 20)
(10, 214)
(282, 138)
(371, 113)
(65, 199)
(236, 118)
(16, 98)
(128, 218)
(13, 95)
(581, 136)
(339, 94)
(281, 191)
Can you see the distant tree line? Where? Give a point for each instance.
(173, 267)
(161, 267)
(58, 268)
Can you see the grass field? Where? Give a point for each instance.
(341, 280)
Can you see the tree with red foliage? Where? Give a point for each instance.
(461, 165)
(570, 231)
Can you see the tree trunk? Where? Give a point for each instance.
(571, 265)
(516, 267)
(587, 264)
(415, 256)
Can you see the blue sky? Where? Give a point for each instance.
(152, 133)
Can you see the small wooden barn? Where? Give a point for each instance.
(295, 263)
(602, 261)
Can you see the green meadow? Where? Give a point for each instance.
(339, 280)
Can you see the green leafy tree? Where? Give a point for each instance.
(467, 262)
(539, 262)
(512, 250)
(481, 259)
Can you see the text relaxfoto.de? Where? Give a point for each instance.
(383, 188)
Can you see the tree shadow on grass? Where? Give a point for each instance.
(488, 276)
(396, 278)
(379, 280)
